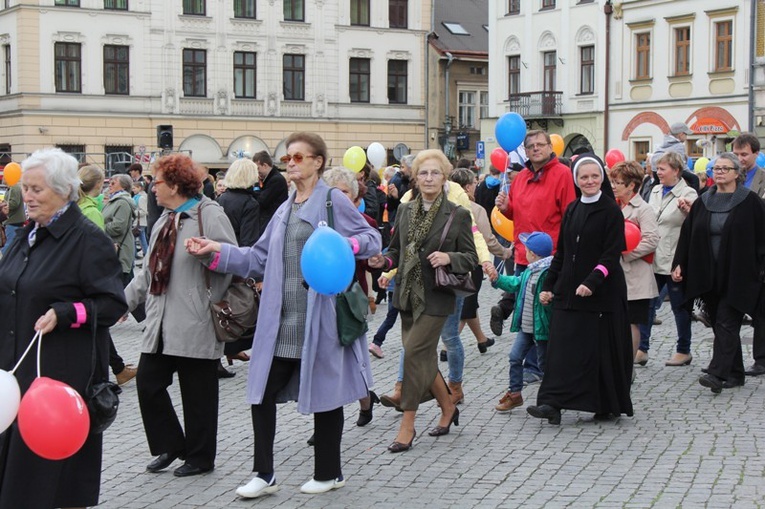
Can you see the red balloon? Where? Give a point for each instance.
(613, 157)
(499, 159)
(53, 419)
(632, 236)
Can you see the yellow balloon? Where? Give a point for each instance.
(557, 144)
(12, 173)
(502, 225)
(354, 158)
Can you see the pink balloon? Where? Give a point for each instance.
(632, 236)
(53, 419)
(499, 159)
(613, 157)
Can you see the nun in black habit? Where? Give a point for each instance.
(589, 355)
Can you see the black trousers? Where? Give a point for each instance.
(727, 361)
(198, 380)
(328, 427)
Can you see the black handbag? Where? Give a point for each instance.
(351, 306)
(235, 315)
(459, 285)
(101, 397)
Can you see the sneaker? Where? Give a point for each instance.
(531, 379)
(126, 374)
(509, 401)
(376, 350)
(496, 322)
(257, 488)
(313, 486)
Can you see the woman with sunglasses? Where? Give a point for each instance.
(298, 356)
(720, 258)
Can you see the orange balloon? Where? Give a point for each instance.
(502, 225)
(557, 144)
(12, 173)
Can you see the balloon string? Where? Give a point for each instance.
(37, 335)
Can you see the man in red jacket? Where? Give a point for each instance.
(536, 202)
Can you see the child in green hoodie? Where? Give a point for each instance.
(531, 319)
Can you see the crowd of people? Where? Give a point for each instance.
(163, 246)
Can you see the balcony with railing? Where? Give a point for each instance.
(536, 105)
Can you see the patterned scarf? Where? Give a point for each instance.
(161, 258)
(420, 222)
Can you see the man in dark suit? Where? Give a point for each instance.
(273, 188)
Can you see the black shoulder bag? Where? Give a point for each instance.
(101, 397)
(351, 306)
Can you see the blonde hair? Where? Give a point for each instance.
(435, 154)
(242, 174)
(91, 176)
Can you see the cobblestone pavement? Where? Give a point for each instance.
(685, 447)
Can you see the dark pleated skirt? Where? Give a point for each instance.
(589, 362)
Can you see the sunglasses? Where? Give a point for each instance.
(297, 157)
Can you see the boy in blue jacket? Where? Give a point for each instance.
(531, 319)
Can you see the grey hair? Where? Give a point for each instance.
(730, 156)
(407, 160)
(60, 171)
(342, 175)
(389, 172)
(125, 182)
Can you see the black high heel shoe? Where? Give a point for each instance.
(444, 430)
(365, 416)
(399, 447)
(545, 412)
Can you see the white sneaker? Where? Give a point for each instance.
(257, 488)
(313, 486)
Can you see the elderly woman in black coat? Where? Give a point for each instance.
(720, 257)
(59, 274)
(589, 356)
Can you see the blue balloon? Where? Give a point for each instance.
(327, 261)
(362, 206)
(510, 131)
(760, 161)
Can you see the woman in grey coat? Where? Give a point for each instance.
(299, 357)
(119, 213)
(179, 334)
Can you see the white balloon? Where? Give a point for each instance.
(10, 397)
(376, 154)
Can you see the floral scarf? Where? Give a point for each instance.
(420, 222)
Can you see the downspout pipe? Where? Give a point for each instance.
(608, 9)
(449, 60)
(752, 37)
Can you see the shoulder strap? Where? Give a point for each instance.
(446, 228)
(330, 213)
(202, 234)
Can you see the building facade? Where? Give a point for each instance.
(680, 61)
(546, 62)
(230, 77)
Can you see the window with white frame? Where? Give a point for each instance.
(473, 105)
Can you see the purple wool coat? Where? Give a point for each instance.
(330, 375)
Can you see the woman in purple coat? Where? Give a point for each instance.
(299, 357)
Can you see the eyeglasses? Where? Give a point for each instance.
(297, 157)
(534, 146)
(159, 182)
(722, 169)
(426, 174)
(617, 183)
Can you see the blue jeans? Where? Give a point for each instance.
(388, 323)
(450, 335)
(142, 239)
(679, 309)
(523, 344)
(10, 233)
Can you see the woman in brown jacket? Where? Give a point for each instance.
(416, 251)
